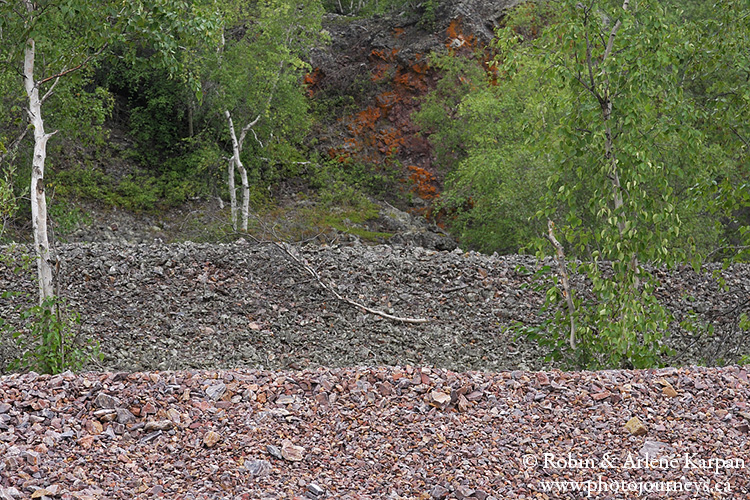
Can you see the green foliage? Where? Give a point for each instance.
(438, 115)
(346, 209)
(492, 191)
(48, 335)
(137, 192)
(49, 340)
(78, 112)
(192, 175)
(153, 107)
(8, 197)
(369, 7)
(630, 204)
(616, 326)
(338, 184)
(716, 80)
(65, 217)
(695, 327)
(489, 145)
(429, 14)
(620, 139)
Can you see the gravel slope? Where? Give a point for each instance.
(374, 433)
(393, 422)
(204, 306)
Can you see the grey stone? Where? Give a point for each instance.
(106, 401)
(258, 467)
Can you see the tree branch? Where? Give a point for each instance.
(589, 62)
(613, 33)
(50, 90)
(74, 68)
(14, 145)
(246, 128)
(286, 248)
(560, 257)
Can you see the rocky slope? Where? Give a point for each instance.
(208, 306)
(376, 433)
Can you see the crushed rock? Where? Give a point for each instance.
(208, 306)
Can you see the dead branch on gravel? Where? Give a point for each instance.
(289, 252)
(560, 256)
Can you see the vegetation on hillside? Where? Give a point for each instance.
(604, 132)
(598, 131)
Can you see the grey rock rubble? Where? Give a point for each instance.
(208, 306)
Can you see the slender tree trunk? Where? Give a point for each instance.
(609, 149)
(44, 257)
(563, 270)
(232, 193)
(245, 197)
(236, 161)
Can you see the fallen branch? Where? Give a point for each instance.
(455, 289)
(560, 257)
(287, 249)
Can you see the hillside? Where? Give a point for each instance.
(352, 343)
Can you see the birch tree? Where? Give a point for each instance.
(59, 39)
(45, 259)
(258, 75)
(611, 195)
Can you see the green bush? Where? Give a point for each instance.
(613, 328)
(65, 217)
(50, 341)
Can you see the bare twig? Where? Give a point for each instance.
(14, 145)
(560, 257)
(66, 71)
(455, 289)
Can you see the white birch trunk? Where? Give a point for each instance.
(237, 162)
(44, 255)
(232, 193)
(609, 149)
(245, 197)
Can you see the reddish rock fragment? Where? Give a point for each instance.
(439, 399)
(86, 442)
(158, 425)
(474, 396)
(463, 403)
(601, 395)
(385, 389)
(542, 378)
(291, 452)
(669, 391)
(464, 492)
(157, 489)
(439, 492)
(105, 401)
